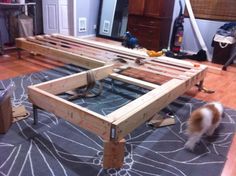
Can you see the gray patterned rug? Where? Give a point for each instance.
(56, 147)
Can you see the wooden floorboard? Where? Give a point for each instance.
(11, 66)
(223, 82)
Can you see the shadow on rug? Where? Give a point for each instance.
(56, 147)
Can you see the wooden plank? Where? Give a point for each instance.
(152, 70)
(88, 53)
(167, 65)
(165, 70)
(71, 82)
(103, 54)
(83, 50)
(126, 51)
(113, 155)
(176, 62)
(145, 75)
(59, 55)
(108, 47)
(71, 112)
(133, 81)
(132, 115)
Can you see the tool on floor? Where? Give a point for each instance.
(130, 41)
(152, 53)
(19, 113)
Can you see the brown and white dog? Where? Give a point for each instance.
(203, 120)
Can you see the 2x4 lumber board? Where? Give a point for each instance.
(73, 44)
(42, 41)
(166, 65)
(71, 112)
(79, 46)
(152, 70)
(165, 70)
(68, 48)
(132, 115)
(145, 76)
(48, 44)
(176, 62)
(108, 47)
(102, 53)
(136, 82)
(57, 54)
(113, 155)
(82, 50)
(71, 82)
(126, 51)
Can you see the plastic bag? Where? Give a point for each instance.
(7, 92)
(224, 39)
(226, 35)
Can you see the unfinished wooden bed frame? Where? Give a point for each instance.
(116, 125)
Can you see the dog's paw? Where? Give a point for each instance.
(189, 146)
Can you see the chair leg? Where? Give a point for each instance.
(35, 114)
(231, 59)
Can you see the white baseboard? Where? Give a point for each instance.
(86, 36)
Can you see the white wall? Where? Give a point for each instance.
(87, 9)
(207, 28)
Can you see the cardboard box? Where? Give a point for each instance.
(221, 55)
(5, 115)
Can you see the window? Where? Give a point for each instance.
(224, 10)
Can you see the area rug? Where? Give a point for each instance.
(56, 147)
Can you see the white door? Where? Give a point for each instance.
(50, 16)
(63, 17)
(56, 16)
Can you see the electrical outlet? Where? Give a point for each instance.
(95, 26)
(106, 26)
(82, 24)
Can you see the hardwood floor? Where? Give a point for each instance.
(11, 66)
(223, 82)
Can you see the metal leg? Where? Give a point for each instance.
(1, 44)
(35, 114)
(200, 86)
(231, 59)
(18, 53)
(35, 21)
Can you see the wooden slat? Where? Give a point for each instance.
(130, 116)
(149, 69)
(69, 48)
(172, 61)
(71, 82)
(165, 70)
(166, 65)
(59, 55)
(145, 75)
(133, 81)
(71, 112)
(117, 49)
